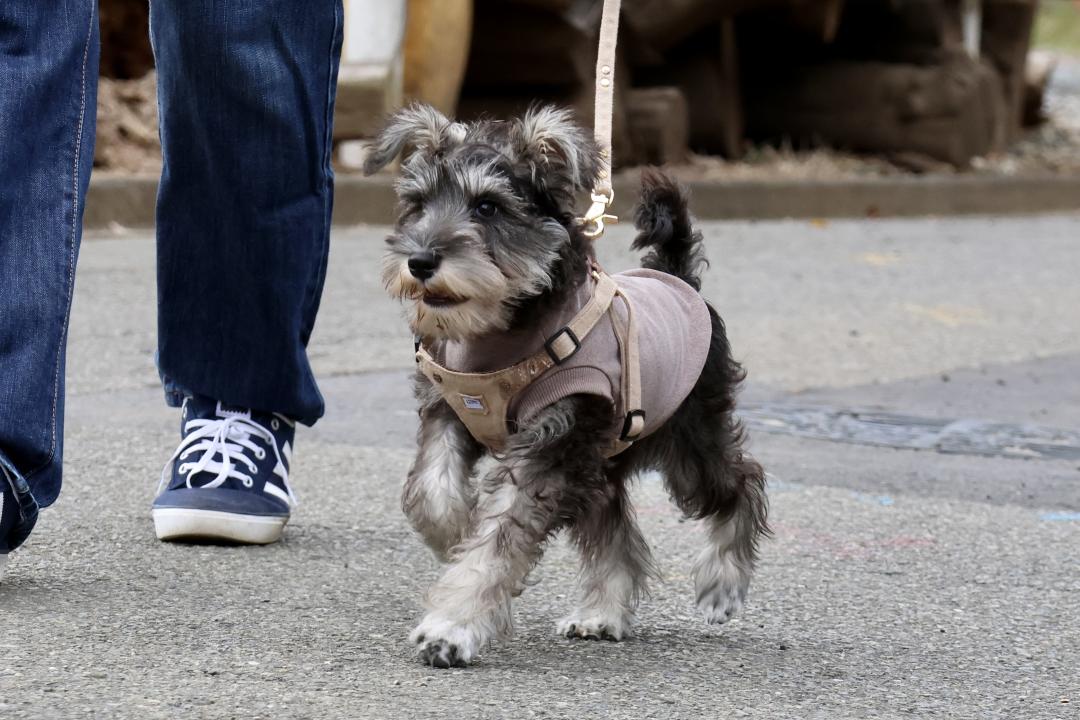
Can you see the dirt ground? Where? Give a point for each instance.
(127, 126)
(128, 142)
(1053, 147)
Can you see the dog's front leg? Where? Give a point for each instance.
(519, 507)
(470, 604)
(439, 495)
(616, 564)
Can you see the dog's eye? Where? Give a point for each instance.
(485, 209)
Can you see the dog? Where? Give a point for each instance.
(485, 249)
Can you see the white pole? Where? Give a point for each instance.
(972, 27)
(374, 30)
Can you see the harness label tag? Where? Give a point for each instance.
(473, 402)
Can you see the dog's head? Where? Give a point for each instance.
(486, 215)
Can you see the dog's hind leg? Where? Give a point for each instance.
(615, 565)
(723, 569)
(439, 496)
(726, 490)
(700, 453)
(520, 505)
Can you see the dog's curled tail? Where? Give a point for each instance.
(664, 228)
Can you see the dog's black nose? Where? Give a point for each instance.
(422, 265)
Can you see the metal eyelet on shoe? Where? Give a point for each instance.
(260, 454)
(248, 482)
(275, 424)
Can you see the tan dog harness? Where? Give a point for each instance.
(483, 399)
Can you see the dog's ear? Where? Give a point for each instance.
(548, 138)
(419, 127)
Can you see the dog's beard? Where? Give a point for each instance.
(478, 296)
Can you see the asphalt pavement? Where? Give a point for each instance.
(914, 393)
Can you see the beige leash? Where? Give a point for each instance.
(603, 194)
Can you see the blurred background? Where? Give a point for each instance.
(720, 88)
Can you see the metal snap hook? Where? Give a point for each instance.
(597, 215)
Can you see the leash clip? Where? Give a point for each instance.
(597, 215)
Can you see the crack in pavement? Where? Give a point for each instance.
(885, 429)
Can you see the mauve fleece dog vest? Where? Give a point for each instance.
(674, 330)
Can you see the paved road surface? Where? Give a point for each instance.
(901, 583)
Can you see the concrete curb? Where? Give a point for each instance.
(129, 200)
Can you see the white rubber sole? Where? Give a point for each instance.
(3, 564)
(188, 524)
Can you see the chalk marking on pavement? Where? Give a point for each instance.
(879, 259)
(882, 500)
(1060, 516)
(948, 315)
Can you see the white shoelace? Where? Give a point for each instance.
(231, 438)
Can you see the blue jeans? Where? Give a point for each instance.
(246, 98)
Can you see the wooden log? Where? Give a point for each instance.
(529, 51)
(521, 45)
(437, 35)
(951, 112)
(1040, 68)
(913, 31)
(559, 6)
(475, 105)
(820, 19)
(665, 23)
(127, 125)
(1006, 40)
(706, 69)
(125, 38)
(659, 125)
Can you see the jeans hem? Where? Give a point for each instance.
(25, 502)
(175, 395)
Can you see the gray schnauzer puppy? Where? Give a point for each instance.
(487, 245)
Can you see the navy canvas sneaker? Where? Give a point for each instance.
(229, 478)
(18, 513)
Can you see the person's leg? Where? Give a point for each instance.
(48, 90)
(246, 93)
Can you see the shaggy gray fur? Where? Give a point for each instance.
(486, 241)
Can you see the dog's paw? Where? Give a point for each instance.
(443, 644)
(721, 602)
(721, 586)
(441, 654)
(595, 626)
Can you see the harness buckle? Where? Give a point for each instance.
(632, 430)
(549, 346)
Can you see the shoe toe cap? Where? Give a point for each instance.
(241, 502)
